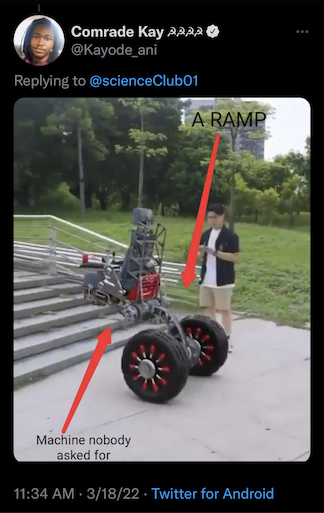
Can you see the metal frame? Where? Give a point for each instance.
(158, 244)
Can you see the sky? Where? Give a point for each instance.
(289, 127)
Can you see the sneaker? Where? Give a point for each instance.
(230, 346)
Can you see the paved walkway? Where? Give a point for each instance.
(255, 408)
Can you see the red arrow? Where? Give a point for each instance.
(104, 339)
(188, 275)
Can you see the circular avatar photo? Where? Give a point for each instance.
(39, 40)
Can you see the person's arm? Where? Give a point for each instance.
(230, 257)
(233, 255)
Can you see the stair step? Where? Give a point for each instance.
(44, 322)
(44, 364)
(24, 274)
(41, 342)
(24, 310)
(36, 281)
(24, 295)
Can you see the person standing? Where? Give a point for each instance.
(219, 247)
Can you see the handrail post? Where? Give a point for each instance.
(52, 255)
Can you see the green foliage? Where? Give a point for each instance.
(59, 198)
(144, 105)
(296, 190)
(141, 140)
(245, 200)
(123, 137)
(186, 175)
(140, 136)
(36, 163)
(80, 112)
(301, 220)
(267, 203)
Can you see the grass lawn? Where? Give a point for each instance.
(272, 279)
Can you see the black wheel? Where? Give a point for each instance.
(213, 343)
(155, 365)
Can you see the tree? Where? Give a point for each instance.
(37, 164)
(237, 116)
(298, 164)
(229, 167)
(186, 175)
(262, 175)
(73, 120)
(245, 197)
(142, 139)
(292, 196)
(267, 203)
(166, 120)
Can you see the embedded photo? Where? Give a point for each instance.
(161, 279)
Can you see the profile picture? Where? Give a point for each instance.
(38, 40)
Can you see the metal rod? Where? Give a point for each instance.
(80, 238)
(85, 230)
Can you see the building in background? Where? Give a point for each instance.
(202, 104)
(243, 141)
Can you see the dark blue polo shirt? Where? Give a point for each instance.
(228, 242)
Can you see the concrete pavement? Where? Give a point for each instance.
(255, 408)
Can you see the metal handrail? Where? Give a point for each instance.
(35, 237)
(79, 238)
(174, 270)
(85, 230)
(67, 223)
(62, 256)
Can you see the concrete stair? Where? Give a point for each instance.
(54, 304)
(28, 281)
(36, 293)
(54, 360)
(55, 327)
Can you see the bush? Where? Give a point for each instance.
(58, 199)
(280, 220)
(172, 210)
(114, 202)
(267, 203)
(95, 203)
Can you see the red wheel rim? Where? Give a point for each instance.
(158, 362)
(204, 339)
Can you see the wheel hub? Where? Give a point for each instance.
(147, 369)
(132, 313)
(195, 349)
